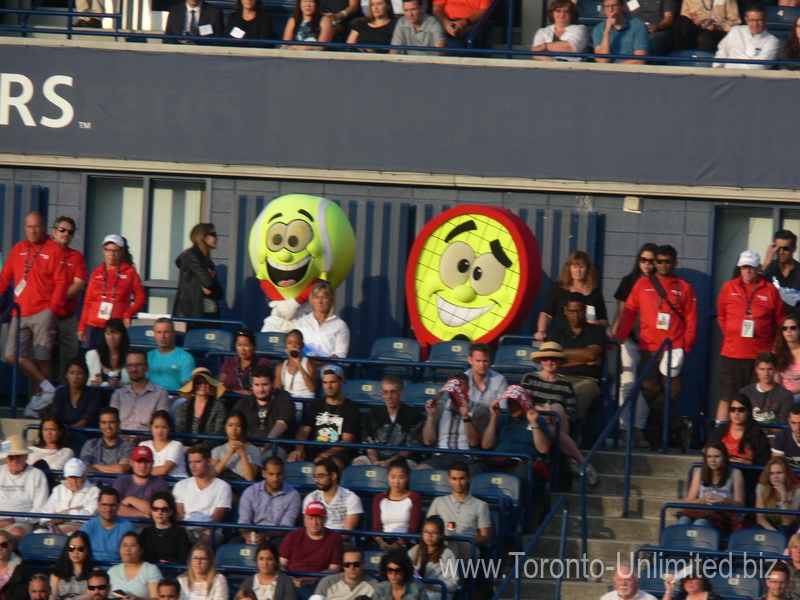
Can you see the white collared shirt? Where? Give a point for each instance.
(189, 9)
(740, 43)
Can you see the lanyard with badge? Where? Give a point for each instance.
(28, 265)
(749, 324)
(663, 319)
(105, 306)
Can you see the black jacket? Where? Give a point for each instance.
(195, 274)
(16, 588)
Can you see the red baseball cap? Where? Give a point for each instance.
(142, 453)
(316, 509)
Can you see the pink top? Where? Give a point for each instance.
(790, 377)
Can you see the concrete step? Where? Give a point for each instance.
(641, 486)
(611, 505)
(606, 550)
(605, 528)
(535, 588)
(644, 462)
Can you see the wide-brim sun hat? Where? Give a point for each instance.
(187, 391)
(14, 445)
(549, 350)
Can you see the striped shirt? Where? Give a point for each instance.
(549, 392)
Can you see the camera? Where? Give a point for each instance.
(294, 353)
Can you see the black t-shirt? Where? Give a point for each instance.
(405, 430)
(261, 418)
(773, 273)
(165, 545)
(329, 422)
(374, 35)
(590, 335)
(625, 287)
(557, 298)
(259, 28)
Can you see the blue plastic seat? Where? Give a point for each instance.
(201, 341)
(514, 359)
(455, 352)
(691, 54)
(43, 547)
(142, 336)
(372, 560)
(757, 540)
(430, 481)
(590, 12)
(687, 537)
(738, 585)
(417, 394)
(365, 477)
(781, 18)
(363, 390)
(271, 342)
(236, 556)
(300, 475)
(507, 488)
(396, 349)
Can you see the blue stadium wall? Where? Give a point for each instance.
(397, 142)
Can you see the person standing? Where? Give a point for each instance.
(783, 272)
(199, 289)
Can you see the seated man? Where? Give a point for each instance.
(202, 497)
(703, 24)
(485, 385)
(39, 587)
(313, 548)
(393, 424)
(342, 507)
(620, 34)
(659, 16)
(269, 502)
(194, 18)
(73, 496)
(453, 421)
(23, 488)
(169, 366)
(109, 453)
(583, 343)
(463, 514)
(135, 489)
(626, 585)
(269, 411)
(348, 585)
(750, 41)
(169, 589)
(137, 401)
(521, 431)
(787, 441)
(417, 28)
(771, 402)
(106, 530)
(98, 585)
(331, 419)
(459, 18)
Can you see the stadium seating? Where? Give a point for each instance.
(512, 361)
(736, 586)
(365, 478)
(691, 54)
(781, 18)
(417, 394)
(689, 537)
(236, 557)
(754, 541)
(142, 336)
(42, 547)
(271, 342)
(300, 475)
(366, 391)
(430, 481)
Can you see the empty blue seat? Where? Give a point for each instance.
(687, 537)
(201, 341)
(430, 481)
(236, 556)
(417, 394)
(781, 18)
(365, 477)
(363, 390)
(514, 359)
(372, 560)
(757, 540)
(396, 350)
(142, 336)
(44, 547)
(590, 12)
(271, 342)
(738, 585)
(455, 352)
(300, 474)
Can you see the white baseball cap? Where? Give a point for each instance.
(114, 238)
(74, 467)
(749, 258)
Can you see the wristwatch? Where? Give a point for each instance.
(467, 419)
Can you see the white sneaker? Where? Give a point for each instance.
(39, 404)
(575, 468)
(591, 476)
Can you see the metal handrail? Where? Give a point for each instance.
(515, 575)
(715, 507)
(7, 316)
(630, 404)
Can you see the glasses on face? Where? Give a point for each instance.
(784, 248)
(789, 328)
(213, 234)
(646, 261)
(5, 545)
(130, 366)
(663, 261)
(160, 509)
(200, 558)
(354, 565)
(94, 588)
(394, 570)
(76, 548)
(65, 230)
(737, 409)
(111, 251)
(321, 475)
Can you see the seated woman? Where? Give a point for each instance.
(429, 555)
(70, 574)
(745, 441)
(107, 363)
(297, 374)
(791, 52)
(787, 349)
(13, 569)
(203, 412)
(249, 21)
(237, 458)
(399, 509)
(793, 550)
(168, 455)
(564, 35)
(201, 580)
(376, 28)
(324, 333)
(138, 579)
(778, 488)
(691, 587)
(75, 404)
(235, 371)
(164, 541)
(714, 484)
(269, 583)
(399, 582)
(50, 449)
(307, 24)
(73, 496)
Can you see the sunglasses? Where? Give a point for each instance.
(76, 548)
(789, 328)
(646, 261)
(65, 230)
(784, 248)
(200, 558)
(160, 509)
(394, 570)
(355, 564)
(737, 409)
(213, 234)
(97, 587)
(5, 545)
(663, 261)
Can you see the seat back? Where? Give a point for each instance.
(497, 484)
(300, 475)
(430, 481)
(271, 342)
(363, 390)
(200, 341)
(417, 394)
(455, 352)
(142, 336)
(45, 547)
(365, 477)
(396, 349)
(738, 585)
(515, 358)
(689, 536)
(781, 18)
(372, 560)
(590, 12)
(235, 556)
(757, 540)
(691, 54)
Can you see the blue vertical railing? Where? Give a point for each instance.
(630, 405)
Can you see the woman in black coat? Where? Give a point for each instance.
(198, 286)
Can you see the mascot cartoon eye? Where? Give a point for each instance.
(298, 235)
(487, 274)
(276, 236)
(455, 263)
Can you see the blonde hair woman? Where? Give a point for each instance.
(201, 580)
(198, 286)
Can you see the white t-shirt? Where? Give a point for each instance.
(172, 452)
(344, 503)
(24, 492)
(54, 458)
(199, 505)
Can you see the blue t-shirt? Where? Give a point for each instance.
(514, 437)
(633, 36)
(105, 542)
(170, 370)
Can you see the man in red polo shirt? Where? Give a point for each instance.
(459, 17)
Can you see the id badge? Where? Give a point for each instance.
(105, 310)
(748, 328)
(662, 322)
(20, 288)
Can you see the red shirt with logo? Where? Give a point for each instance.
(45, 282)
(123, 289)
(766, 310)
